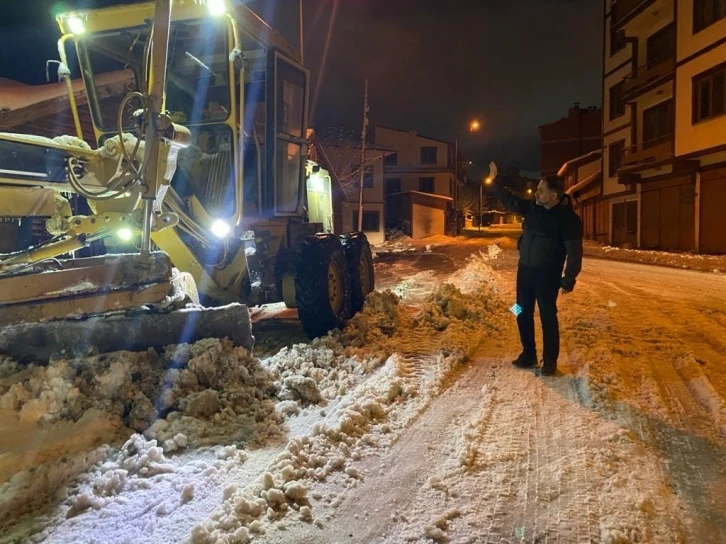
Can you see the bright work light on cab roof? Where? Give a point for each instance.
(217, 7)
(75, 25)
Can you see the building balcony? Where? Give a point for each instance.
(647, 76)
(623, 10)
(645, 153)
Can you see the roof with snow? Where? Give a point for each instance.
(579, 161)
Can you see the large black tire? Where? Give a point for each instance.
(360, 264)
(322, 285)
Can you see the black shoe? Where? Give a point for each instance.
(525, 361)
(549, 368)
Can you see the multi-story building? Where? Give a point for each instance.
(664, 123)
(424, 177)
(343, 160)
(570, 137)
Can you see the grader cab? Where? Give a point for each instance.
(200, 185)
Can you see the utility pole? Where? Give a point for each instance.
(302, 33)
(480, 199)
(363, 157)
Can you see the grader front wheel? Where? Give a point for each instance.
(322, 285)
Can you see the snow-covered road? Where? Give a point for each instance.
(627, 445)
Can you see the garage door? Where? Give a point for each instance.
(713, 195)
(668, 215)
(625, 224)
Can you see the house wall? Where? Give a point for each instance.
(409, 167)
(427, 221)
(348, 210)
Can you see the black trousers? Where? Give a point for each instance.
(540, 285)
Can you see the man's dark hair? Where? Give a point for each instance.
(555, 184)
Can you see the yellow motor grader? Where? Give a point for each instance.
(200, 186)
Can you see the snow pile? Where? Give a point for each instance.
(375, 324)
(465, 318)
(120, 384)
(54, 418)
(192, 387)
(215, 393)
(330, 449)
(694, 261)
(329, 367)
(415, 286)
(477, 272)
(136, 462)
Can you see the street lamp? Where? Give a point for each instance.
(474, 126)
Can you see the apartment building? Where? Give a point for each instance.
(664, 123)
(424, 181)
(569, 137)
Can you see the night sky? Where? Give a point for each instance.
(432, 65)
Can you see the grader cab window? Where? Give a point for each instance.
(197, 96)
(290, 124)
(197, 72)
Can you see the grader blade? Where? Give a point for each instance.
(109, 303)
(40, 342)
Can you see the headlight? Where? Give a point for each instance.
(75, 25)
(220, 229)
(216, 7)
(125, 234)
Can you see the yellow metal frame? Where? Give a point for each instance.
(135, 15)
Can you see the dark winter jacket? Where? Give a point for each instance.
(549, 237)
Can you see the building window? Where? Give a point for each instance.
(617, 106)
(391, 160)
(367, 176)
(615, 158)
(709, 94)
(707, 12)
(657, 124)
(660, 46)
(429, 155)
(371, 221)
(426, 185)
(617, 42)
(393, 186)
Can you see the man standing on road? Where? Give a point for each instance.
(552, 234)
